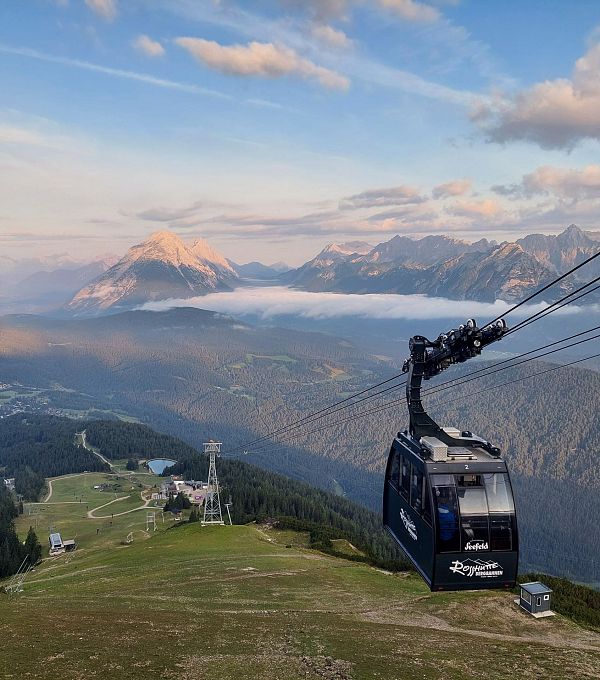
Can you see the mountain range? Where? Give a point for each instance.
(448, 267)
(165, 267)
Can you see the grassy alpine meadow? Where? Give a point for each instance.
(250, 602)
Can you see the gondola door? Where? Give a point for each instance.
(407, 508)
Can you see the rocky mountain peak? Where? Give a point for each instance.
(206, 254)
(348, 248)
(161, 267)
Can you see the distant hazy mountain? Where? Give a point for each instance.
(15, 269)
(256, 270)
(61, 282)
(160, 268)
(443, 266)
(280, 267)
(45, 290)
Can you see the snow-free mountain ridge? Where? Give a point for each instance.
(443, 266)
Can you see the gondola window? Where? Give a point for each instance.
(447, 513)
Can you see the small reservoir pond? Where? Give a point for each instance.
(157, 465)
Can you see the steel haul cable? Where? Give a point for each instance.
(475, 375)
(321, 413)
(394, 403)
(545, 288)
(555, 307)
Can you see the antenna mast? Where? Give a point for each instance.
(212, 504)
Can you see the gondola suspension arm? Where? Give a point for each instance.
(428, 359)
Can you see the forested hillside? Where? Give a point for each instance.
(117, 439)
(12, 550)
(256, 493)
(199, 375)
(35, 447)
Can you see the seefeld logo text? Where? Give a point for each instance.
(477, 545)
(479, 568)
(409, 525)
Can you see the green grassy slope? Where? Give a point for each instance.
(237, 602)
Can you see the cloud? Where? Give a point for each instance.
(232, 18)
(149, 47)
(555, 114)
(407, 215)
(107, 9)
(564, 183)
(325, 10)
(377, 198)
(168, 214)
(331, 36)
(280, 301)
(486, 208)
(118, 73)
(410, 10)
(265, 60)
(320, 10)
(457, 187)
(14, 135)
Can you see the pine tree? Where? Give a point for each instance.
(32, 547)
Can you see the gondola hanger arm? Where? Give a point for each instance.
(429, 358)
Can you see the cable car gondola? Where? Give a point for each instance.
(447, 496)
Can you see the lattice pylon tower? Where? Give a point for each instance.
(150, 521)
(212, 503)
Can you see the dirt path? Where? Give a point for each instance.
(96, 453)
(49, 496)
(404, 616)
(91, 514)
(50, 490)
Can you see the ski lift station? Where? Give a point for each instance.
(58, 546)
(535, 598)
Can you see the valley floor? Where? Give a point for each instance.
(245, 602)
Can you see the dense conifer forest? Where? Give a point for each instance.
(35, 447)
(12, 551)
(116, 439)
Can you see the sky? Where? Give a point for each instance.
(274, 127)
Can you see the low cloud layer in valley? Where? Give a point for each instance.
(269, 302)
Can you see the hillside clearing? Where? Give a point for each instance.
(197, 602)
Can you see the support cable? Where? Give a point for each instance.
(347, 401)
(394, 403)
(545, 288)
